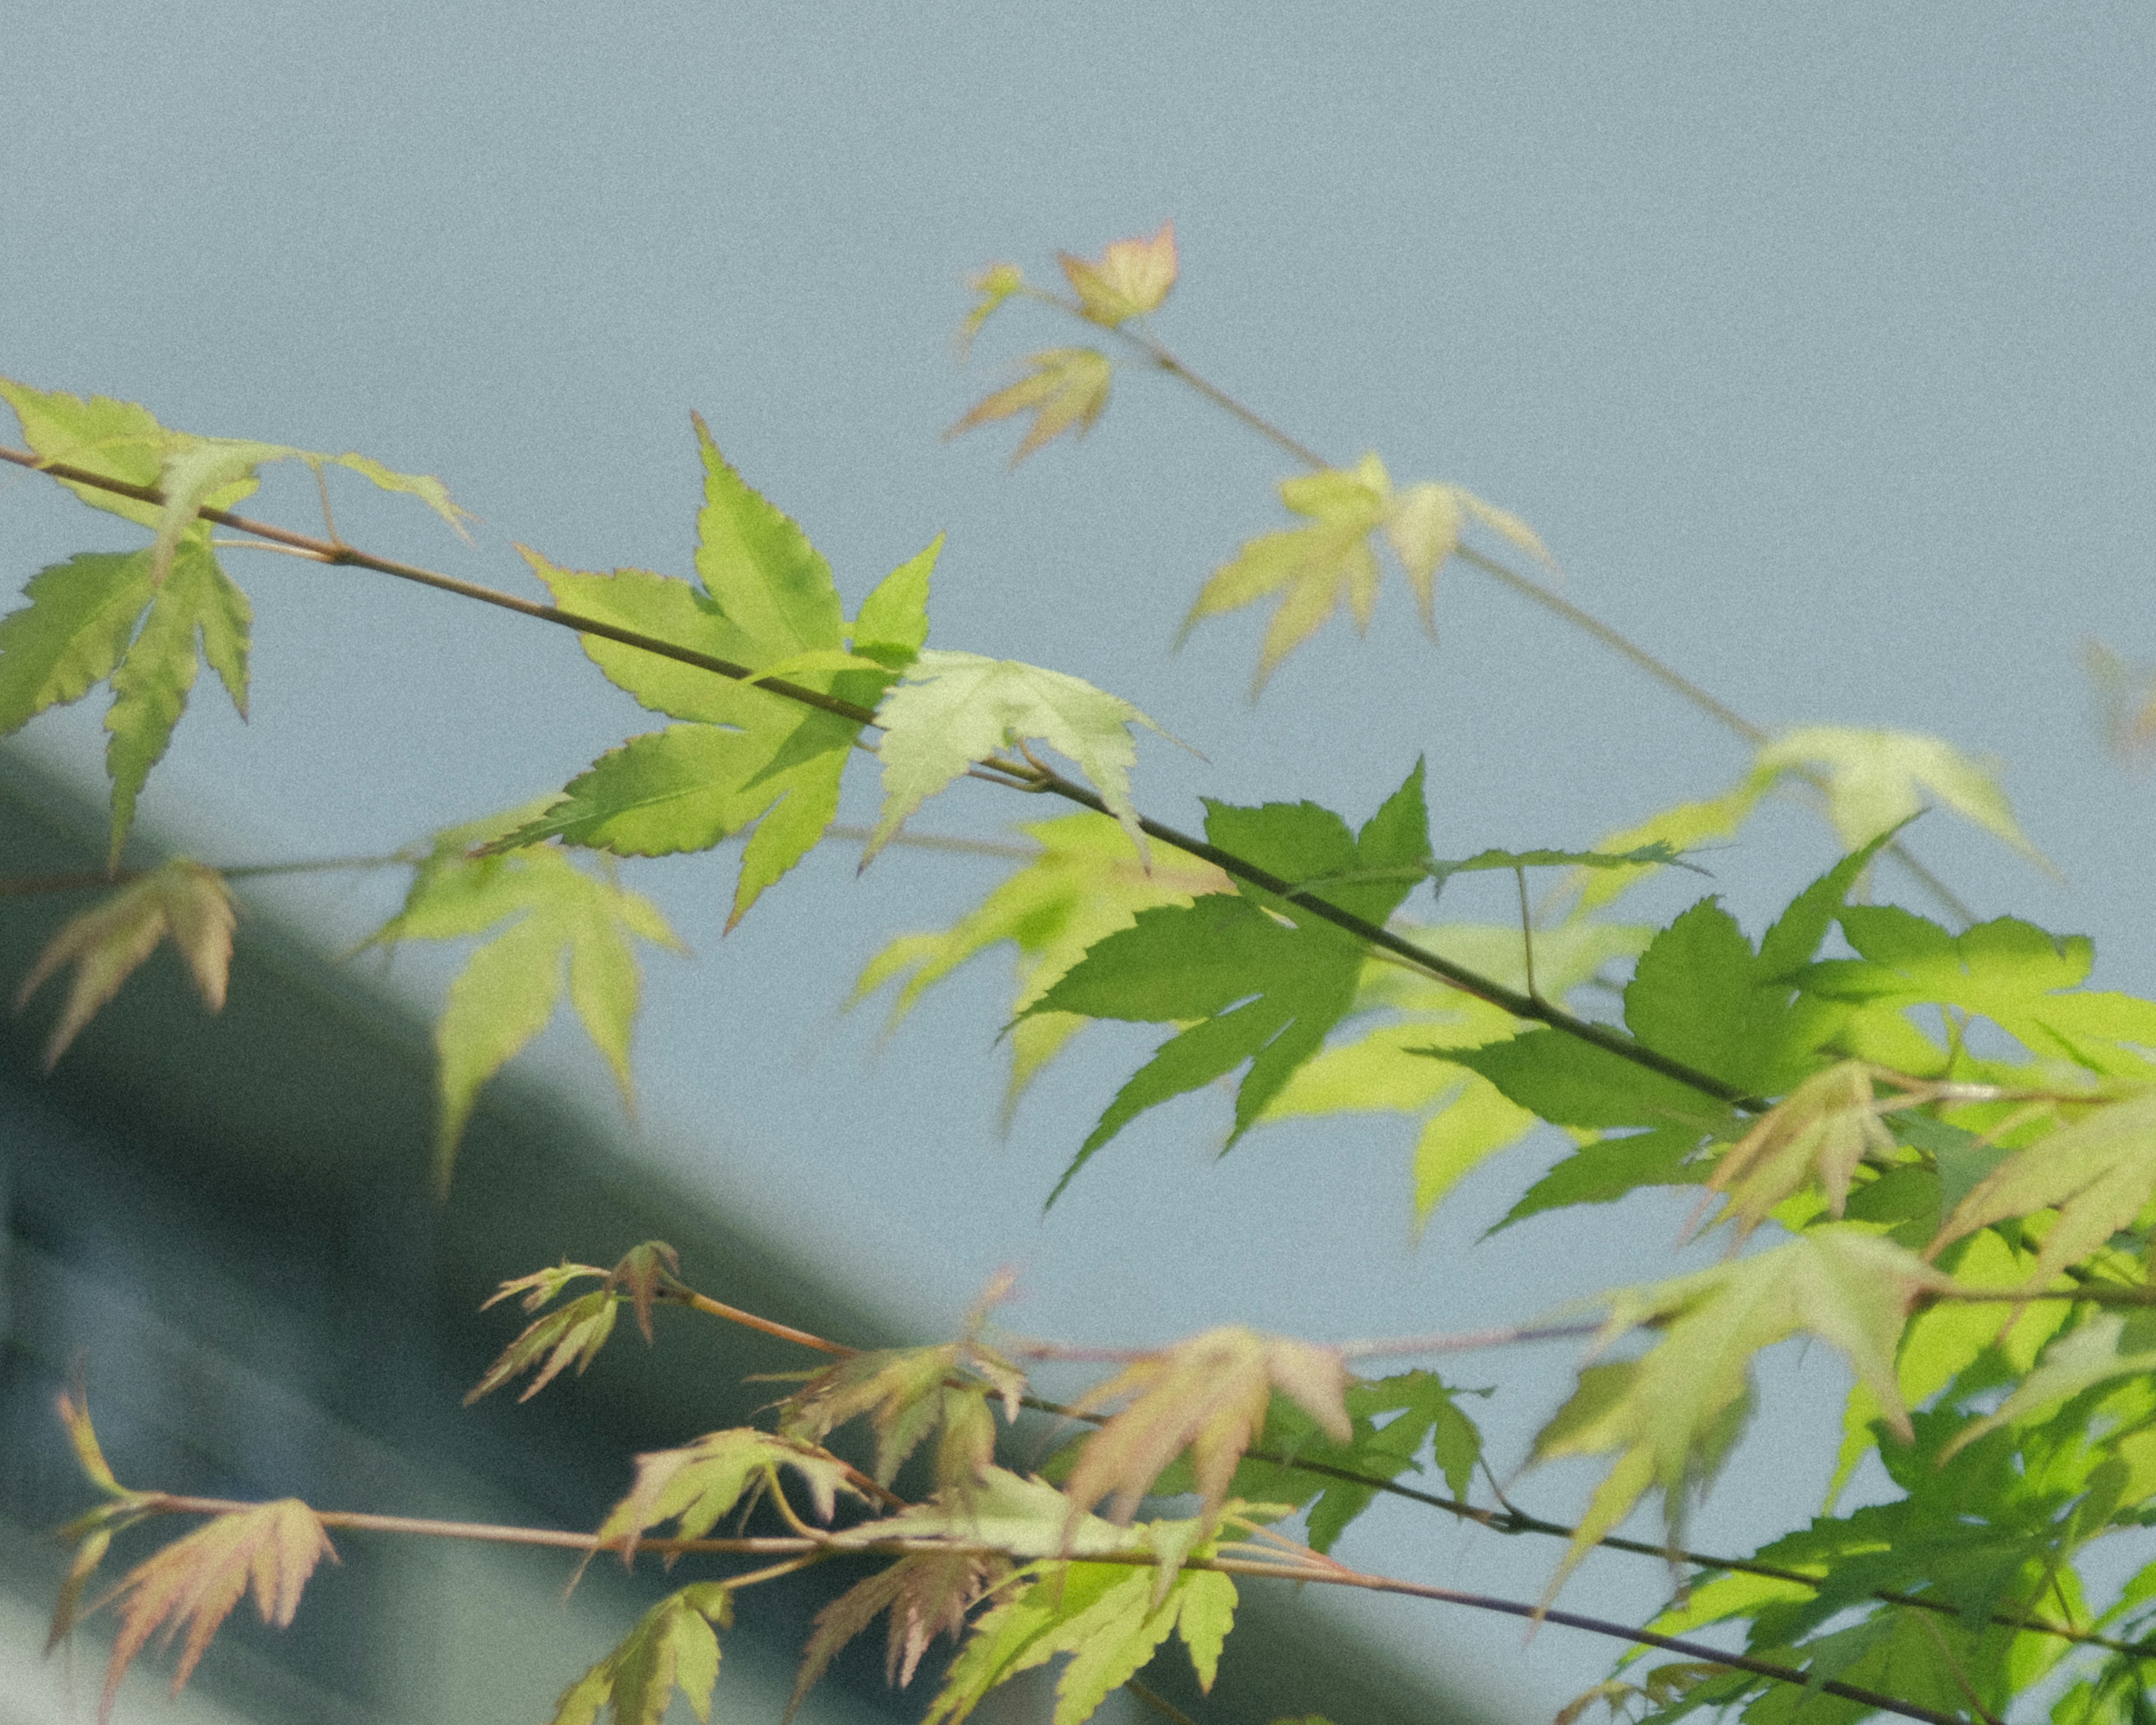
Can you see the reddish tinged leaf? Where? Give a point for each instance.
(1130, 279)
(180, 900)
(907, 1394)
(927, 1595)
(272, 1549)
(74, 1408)
(541, 1285)
(640, 1273)
(994, 284)
(695, 1485)
(1208, 1395)
(1820, 1131)
(1065, 392)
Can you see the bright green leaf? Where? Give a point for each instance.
(72, 635)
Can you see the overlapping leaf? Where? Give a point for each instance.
(197, 1580)
(748, 757)
(1266, 984)
(1130, 278)
(1670, 1415)
(907, 1394)
(1084, 885)
(956, 709)
(558, 919)
(579, 1330)
(673, 1647)
(1207, 1396)
(2106, 1346)
(2099, 1173)
(1314, 568)
(1818, 1134)
(1466, 1119)
(179, 900)
(698, 1483)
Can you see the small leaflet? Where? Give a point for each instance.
(673, 1647)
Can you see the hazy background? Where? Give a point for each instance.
(1814, 341)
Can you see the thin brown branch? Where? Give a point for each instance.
(748, 1320)
(1372, 934)
(23, 886)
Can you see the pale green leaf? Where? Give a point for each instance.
(892, 626)
(673, 1647)
(1683, 828)
(995, 285)
(1877, 780)
(429, 490)
(955, 709)
(2095, 1353)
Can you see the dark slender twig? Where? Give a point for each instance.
(1019, 776)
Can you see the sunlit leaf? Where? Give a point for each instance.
(1818, 1134)
(1266, 984)
(698, 1483)
(1066, 391)
(2099, 1351)
(956, 709)
(672, 1647)
(179, 900)
(1129, 280)
(559, 919)
(71, 635)
(197, 1580)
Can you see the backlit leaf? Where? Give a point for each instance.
(698, 1483)
(1263, 990)
(927, 1595)
(71, 637)
(1206, 1394)
(1083, 886)
(1684, 828)
(559, 919)
(2096, 1353)
(1066, 391)
(179, 900)
(955, 709)
(574, 1331)
(197, 1580)
(1818, 1134)
(1670, 1415)
(1130, 278)
(672, 1647)
(908, 1393)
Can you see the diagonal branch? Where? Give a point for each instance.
(1371, 934)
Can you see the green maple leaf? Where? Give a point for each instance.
(1670, 1415)
(749, 758)
(695, 1485)
(1083, 885)
(558, 918)
(1313, 568)
(672, 1647)
(123, 440)
(181, 901)
(2106, 1346)
(1065, 392)
(956, 709)
(1465, 1118)
(1263, 989)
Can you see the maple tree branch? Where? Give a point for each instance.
(1158, 1702)
(1293, 1568)
(682, 1295)
(22, 885)
(1370, 933)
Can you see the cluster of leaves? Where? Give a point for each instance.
(1932, 1149)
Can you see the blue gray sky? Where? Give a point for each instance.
(1813, 340)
